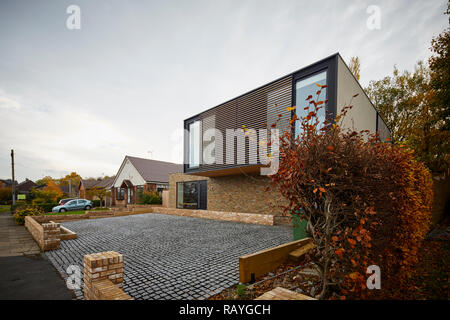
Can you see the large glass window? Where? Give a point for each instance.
(188, 195)
(194, 144)
(303, 89)
(192, 195)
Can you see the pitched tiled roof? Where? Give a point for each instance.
(26, 185)
(91, 183)
(154, 170)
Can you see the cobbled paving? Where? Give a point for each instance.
(168, 257)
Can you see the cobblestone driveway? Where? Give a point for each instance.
(169, 257)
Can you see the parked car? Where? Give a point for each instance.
(63, 201)
(72, 205)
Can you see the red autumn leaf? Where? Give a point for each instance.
(351, 241)
(330, 148)
(309, 97)
(339, 252)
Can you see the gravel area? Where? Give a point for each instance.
(169, 257)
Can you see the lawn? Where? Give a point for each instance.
(73, 212)
(64, 213)
(5, 208)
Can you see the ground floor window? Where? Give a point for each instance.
(120, 193)
(192, 195)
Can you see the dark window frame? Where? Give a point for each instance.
(120, 193)
(328, 65)
(197, 182)
(187, 154)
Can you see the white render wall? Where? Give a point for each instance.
(363, 115)
(129, 172)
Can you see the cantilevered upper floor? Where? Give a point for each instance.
(261, 107)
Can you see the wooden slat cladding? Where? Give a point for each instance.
(256, 110)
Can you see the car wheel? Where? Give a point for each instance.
(62, 210)
(87, 208)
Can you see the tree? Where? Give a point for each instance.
(416, 105)
(100, 193)
(405, 103)
(440, 78)
(50, 193)
(44, 181)
(74, 178)
(5, 195)
(365, 202)
(355, 67)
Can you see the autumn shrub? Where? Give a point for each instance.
(46, 207)
(21, 213)
(366, 202)
(148, 197)
(5, 195)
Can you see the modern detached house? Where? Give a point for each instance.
(232, 181)
(136, 175)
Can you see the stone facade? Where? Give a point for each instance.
(254, 218)
(103, 276)
(237, 193)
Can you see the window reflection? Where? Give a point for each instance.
(304, 88)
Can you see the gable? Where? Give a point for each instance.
(128, 172)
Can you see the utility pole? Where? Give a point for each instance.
(13, 179)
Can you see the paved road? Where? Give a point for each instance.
(24, 272)
(169, 257)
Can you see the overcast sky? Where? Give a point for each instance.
(80, 100)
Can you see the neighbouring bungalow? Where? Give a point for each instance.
(24, 188)
(137, 175)
(87, 185)
(6, 183)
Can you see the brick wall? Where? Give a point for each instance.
(237, 193)
(47, 235)
(103, 276)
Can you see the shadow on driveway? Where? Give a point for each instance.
(31, 277)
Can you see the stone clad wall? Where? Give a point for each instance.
(254, 218)
(237, 193)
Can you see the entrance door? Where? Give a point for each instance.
(129, 195)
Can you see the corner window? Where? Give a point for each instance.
(306, 87)
(191, 195)
(194, 144)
